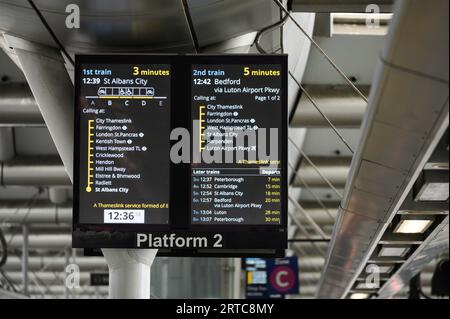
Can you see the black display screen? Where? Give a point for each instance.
(184, 153)
(124, 170)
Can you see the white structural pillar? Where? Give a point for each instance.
(46, 74)
(129, 272)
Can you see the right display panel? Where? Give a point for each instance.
(238, 128)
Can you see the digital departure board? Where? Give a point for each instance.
(229, 101)
(184, 153)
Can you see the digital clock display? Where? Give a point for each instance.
(125, 216)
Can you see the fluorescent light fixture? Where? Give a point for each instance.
(359, 295)
(387, 251)
(366, 286)
(385, 269)
(436, 166)
(433, 192)
(413, 226)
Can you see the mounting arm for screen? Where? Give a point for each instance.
(46, 74)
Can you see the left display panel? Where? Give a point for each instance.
(123, 113)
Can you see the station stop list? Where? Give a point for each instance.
(230, 189)
(124, 109)
(232, 101)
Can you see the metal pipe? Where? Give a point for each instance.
(305, 263)
(319, 215)
(49, 242)
(18, 106)
(59, 290)
(51, 263)
(34, 171)
(334, 169)
(339, 103)
(17, 212)
(324, 116)
(317, 169)
(50, 278)
(57, 195)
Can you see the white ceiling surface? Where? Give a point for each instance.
(8, 68)
(357, 56)
(32, 141)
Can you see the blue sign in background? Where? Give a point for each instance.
(271, 278)
(282, 276)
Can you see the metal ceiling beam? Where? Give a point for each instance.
(48, 241)
(319, 214)
(396, 142)
(339, 103)
(48, 277)
(52, 263)
(15, 212)
(335, 169)
(34, 171)
(358, 6)
(59, 290)
(18, 106)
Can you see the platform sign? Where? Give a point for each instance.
(184, 153)
(282, 276)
